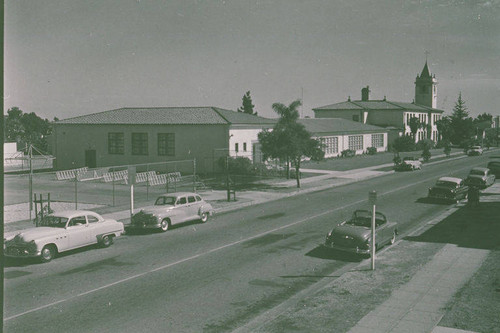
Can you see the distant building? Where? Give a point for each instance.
(337, 135)
(129, 136)
(390, 114)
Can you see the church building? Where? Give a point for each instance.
(391, 114)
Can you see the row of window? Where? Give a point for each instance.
(237, 147)
(139, 144)
(355, 142)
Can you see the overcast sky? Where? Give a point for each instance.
(69, 58)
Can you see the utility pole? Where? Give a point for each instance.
(372, 198)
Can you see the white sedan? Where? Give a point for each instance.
(62, 231)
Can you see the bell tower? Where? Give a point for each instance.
(426, 88)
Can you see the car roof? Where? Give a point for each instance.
(480, 169)
(72, 213)
(450, 179)
(476, 147)
(178, 194)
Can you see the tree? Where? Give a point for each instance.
(461, 123)
(444, 128)
(403, 143)
(289, 140)
(484, 117)
(415, 125)
(247, 106)
(27, 128)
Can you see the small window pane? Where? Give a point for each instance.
(139, 143)
(115, 143)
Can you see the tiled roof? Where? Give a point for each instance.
(377, 105)
(168, 115)
(338, 125)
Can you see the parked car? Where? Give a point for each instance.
(170, 209)
(494, 167)
(354, 235)
(480, 177)
(410, 163)
(449, 189)
(475, 151)
(62, 231)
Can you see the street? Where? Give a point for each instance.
(212, 277)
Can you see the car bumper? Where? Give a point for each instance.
(15, 252)
(355, 250)
(144, 226)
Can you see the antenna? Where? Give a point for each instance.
(426, 54)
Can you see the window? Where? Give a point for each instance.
(330, 144)
(377, 140)
(139, 143)
(92, 219)
(236, 148)
(115, 143)
(198, 198)
(181, 201)
(355, 142)
(80, 220)
(191, 199)
(166, 144)
(244, 146)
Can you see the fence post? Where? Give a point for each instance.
(147, 181)
(113, 181)
(194, 175)
(76, 190)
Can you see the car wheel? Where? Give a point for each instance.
(393, 239)
(48, 253)
(165, 224)
(106, 241)
(204, 217)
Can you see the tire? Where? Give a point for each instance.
(393, 239)
(204, 217)
(106, 241)
(165, 225)
(48, 253)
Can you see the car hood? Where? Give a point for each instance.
(30, 234)
(156, 209)
(353, 231)
(441, 188)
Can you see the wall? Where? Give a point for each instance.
(191, 141)
(241, 136)
(344, 114)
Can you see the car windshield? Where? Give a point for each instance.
(446, 183)
(364, 219)
(477, 172)
(54, 221)
(165, 201)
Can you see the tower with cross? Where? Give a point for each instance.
(426, 87)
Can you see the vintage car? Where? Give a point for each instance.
(449, 189)
(354, 235)
(409, 163)
(475, 151)
(480, 177)
(62, 231)
(494, 167)
(170, 209)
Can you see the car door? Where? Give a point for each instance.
(381, 232)
(180, 213)
(78, 232)
(95, 227)
(193, 207)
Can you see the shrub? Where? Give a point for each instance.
(371, 150)
(347, 153)
(425, 143)
(396, 159)
(447, 149)
(404, 143)
(426, 154)
(237, 165)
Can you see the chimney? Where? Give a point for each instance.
(365, 94)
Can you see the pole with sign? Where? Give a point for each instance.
(372, 198)
(131, 181)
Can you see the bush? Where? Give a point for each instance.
(237, 165)
(426, 154)
(404, 143)
(447, 150)
(347, 153)
(425, 143)
(371, 150)
(396, 159)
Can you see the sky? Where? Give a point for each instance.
(70, 58)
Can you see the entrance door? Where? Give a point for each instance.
(90, 158)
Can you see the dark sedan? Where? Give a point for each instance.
(354, 235)
(449, 189)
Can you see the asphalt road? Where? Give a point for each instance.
(212, 277)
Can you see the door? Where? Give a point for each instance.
(78, 232)
(90, 158)
(193, 207)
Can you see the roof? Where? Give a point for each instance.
(425, 71)
(338, 125)
(377, 105)
(450, 179)
(206, 115)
